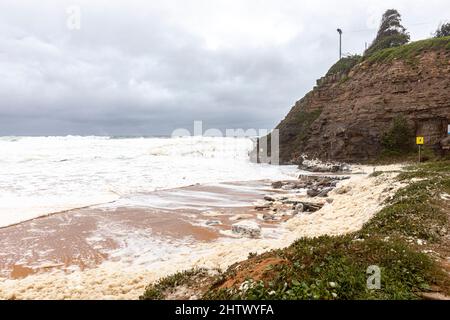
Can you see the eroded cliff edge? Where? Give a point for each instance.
(345, 116)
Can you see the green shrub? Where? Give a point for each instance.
(399, 138)
(443, 30)
(390, 34)
(344, 65)
(392, 41)
(158, 290)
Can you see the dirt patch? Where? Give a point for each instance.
(261, 270)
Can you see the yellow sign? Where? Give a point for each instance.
(420, 140)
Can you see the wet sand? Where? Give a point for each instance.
(140, 257)
(85, 238)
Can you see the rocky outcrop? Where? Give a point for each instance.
(315, 186)
(247, 228)
(344, 117)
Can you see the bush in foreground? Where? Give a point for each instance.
(399, 138)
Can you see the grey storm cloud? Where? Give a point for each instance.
(149, 67)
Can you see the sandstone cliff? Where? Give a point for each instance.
(344, 117)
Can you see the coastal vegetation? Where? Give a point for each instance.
(390, 34)
(392, 43)
(397, 141)
(165, 286)
(398, 145)
(344, 65)
(404, 240)
(408, 52)
(443, 30)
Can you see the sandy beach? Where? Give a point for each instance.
(113, 253)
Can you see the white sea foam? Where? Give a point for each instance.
(142, 260)
(43, 175)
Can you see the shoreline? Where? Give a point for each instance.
(84, 238)
(117, 280)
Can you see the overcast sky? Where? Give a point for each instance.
(149, 67)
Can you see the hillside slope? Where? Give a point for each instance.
(345, 116)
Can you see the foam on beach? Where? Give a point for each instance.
(127, 280)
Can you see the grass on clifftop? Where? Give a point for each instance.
(344, 65)
(336, 267)
(408, 52)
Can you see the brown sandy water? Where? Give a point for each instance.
(141, 257)
(84, 238)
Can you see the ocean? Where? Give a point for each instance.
(44, 175)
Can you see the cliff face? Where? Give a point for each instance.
(345, 116)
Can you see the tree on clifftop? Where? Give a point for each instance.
(391, 32)
(443, 30)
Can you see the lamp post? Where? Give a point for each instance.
(340, 43)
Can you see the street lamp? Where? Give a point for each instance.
(340, 43)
